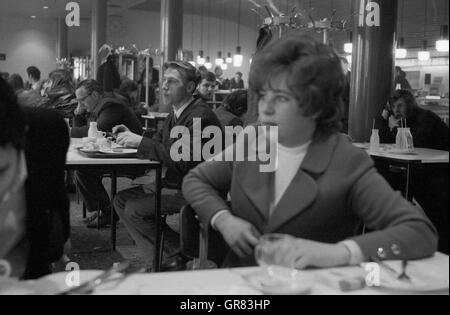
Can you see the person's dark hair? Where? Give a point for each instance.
(127, 86)
(61, 79)
(187, 71)
(407, 96)
(4, 75)
(236, 103)
(16, 82)
(314, 75)
(34, 72)
(208, 76)
(239, 73)
(91, 85)
(11, 117)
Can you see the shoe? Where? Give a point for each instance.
(91, 218)
(100, 222)
(177, 263)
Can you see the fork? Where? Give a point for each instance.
(403, 275)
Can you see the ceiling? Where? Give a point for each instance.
(416, 17)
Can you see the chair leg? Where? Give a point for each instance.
(84, 210)
(161, 243)
(113, 229)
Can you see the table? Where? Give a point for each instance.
(76, 161)
(231, 282)
(430, 157)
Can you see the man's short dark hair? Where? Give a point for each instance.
(187, 71)
(239, 73)
(314, 75)
(34, 72)
(91, 85)
(236, 103)
(208, 76)
(16, 82)
(11, 117)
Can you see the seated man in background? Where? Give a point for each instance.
(34, 77)
(206, 87)
(135, 206)
(429, 185)
(34, 208)
(237, 83)
(323, 188)
(233, 109)
(108, 112)
(427, 129)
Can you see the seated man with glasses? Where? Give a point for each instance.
(135, 206)
(108, 112)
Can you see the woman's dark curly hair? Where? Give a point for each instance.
(11, 118)
(314, 75)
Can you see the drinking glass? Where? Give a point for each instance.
(269, 251)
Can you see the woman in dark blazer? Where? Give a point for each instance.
(323, 189)
(33, 145)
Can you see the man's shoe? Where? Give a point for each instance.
(177, 263)
(100, 222)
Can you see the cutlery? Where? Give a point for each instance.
(401, 276)
(91, 284)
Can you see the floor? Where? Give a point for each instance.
(91, 248)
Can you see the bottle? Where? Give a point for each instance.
(409, 142)
(400, 139)
(374, 141)
(93, 131)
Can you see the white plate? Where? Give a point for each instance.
(283, 281)
(119, 151)
(423, 278)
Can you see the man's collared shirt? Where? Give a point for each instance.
(180, 111)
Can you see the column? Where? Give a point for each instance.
(373, 62)
(98, 32)
(62, 48)
(171, 33)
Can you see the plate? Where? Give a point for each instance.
(282, 281)
(423, 278)
(118, 151)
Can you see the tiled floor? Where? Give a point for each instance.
(91, 247)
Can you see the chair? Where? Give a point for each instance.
(199, 242)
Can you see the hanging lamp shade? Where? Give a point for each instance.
(348, 47)
(424, 55)
(219, 59)
(238, 58)
(401, 52)
(208, 63)
(442, 43)
(229, 58)
(201, 59)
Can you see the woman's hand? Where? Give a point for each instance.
(239, 234)
(393, 122)
(304, 253)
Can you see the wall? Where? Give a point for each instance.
(27, 42)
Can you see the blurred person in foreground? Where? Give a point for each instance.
(324, 188)
(34, 208)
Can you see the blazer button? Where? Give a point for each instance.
(395, 249)
(381, 253)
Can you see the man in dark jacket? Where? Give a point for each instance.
(135, 206)
(429, 186)
(107, 112)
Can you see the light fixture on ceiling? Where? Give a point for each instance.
(219, 59)
(424, 54)
(224, 64)
(348, 47)
(201, 59)
(45, 7)
(401, 52)
(442, 43)
(33, 16)
(229, 58)
(208, 63)
(238, 58)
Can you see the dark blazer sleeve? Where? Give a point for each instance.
(394, 220)
(48, 226)
(206, 186)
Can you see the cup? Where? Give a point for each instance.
(269, 251)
